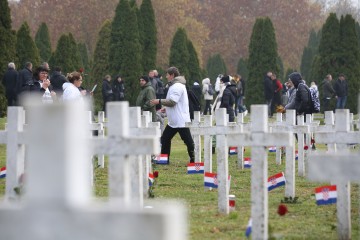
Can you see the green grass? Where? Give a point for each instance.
(305, 220)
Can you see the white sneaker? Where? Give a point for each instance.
(245, 113)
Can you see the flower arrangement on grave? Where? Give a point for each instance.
(306, 147)
(313, 147)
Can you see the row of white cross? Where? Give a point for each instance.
(124, 151)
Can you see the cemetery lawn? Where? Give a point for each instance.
(305, 220)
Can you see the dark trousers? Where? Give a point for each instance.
(207, 107)
(185, 135)
(326, 105)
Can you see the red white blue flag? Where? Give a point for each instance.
(248, 228)
(233, 150)
(247, 162)
(194, 168)
(151, 179)
(326, 195)
(272, 149)
(3, 172)
(210, 180)
(276, 181)
(162, 159)
(296, 155)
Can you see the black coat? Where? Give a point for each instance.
(303, 103)
(341, 88)
(197, 90)
(57, 80)
(118, 90)
(268, 88)
(10, 82)
(107, 92)
(25, 77)
(228, 101)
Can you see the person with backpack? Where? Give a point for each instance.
(208, 93)
(303, 102)
(177, 110)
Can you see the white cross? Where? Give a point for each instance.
(339, 167)
(119, 145)
(197, 137)
(15, 150)
(259, 139)
(58, 202)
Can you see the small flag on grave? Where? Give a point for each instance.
(151, 179)
(162, 159)
(233, 150)
(296, 155)
(272, 149)
(210, 180)
(3, 172)
(247, 162)
(326, 195)
(276, 181)
(194, 168)
(248, 228)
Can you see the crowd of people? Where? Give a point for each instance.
(174, 99)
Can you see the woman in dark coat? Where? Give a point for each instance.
(118, 89)
(107, 91)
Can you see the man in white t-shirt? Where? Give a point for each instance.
(177, 110)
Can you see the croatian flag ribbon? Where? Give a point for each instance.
(194, 168)
(272, 149)
(151, 179)
(276, 181)
(162, 159)
(210, 180)
(3, 172)
(233, 150)
(247, 162)
(326, 195)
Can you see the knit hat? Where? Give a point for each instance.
(225, 79)
(295, 77)
(146, 78)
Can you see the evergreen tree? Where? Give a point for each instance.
(130, 68)
(75, 54)
(26, 50)
(62, 56)
(242, 68)
(83, 50)
(215, 66)
(149, 35)
(141, 30)
(349, 60)
(42, 41)
(101, 63)
(329, 48)
(179, 53)
(193, 65)
(308, 55)
(262, 58)
(7, 48)
(116, 45)
(280, 74)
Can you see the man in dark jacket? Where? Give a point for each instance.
(107, 92)
(10, 83)
(328, 92)
(25, 77)
(228, 97)
(57, 80)
(268, 91)
(146, 94)
(303, 103)
(341, 90)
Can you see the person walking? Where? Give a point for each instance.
(268, 92)
(207, 97)
(146, 94)
(177, 110)
(228, 97)
(341, 90)
(10, 83)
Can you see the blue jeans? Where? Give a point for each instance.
(340, 102)
(240, 104)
